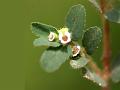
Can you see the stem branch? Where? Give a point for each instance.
(94, 67)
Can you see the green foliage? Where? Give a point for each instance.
(53, 58)
(113, 11)
(116, 70)
(57, 52)
(92, 39)
(90, 75)
(42, 30)
(45, 42)
(75, 21)
(79, 63)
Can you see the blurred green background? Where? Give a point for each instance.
(19, 59)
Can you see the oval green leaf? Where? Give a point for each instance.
(79, 63)
(45, 42)
(113, 11)
(53, 58)
(75, 21)
(42, 30)
(91, 39)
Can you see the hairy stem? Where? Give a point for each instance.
(106, 45)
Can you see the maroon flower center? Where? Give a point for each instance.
(75, 50)
(65, 38)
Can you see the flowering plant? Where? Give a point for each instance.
(76, 43)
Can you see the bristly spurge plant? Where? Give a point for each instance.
(75, 44)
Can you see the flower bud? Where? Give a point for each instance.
(51, 36)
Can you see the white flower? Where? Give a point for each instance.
(51, 36)
(64, 36)
(75, 50)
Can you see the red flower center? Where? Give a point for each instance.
(75, 50)
(65, 38)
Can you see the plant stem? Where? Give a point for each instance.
(94, 67)
(106, 53)
(92, 64)
(106, 45)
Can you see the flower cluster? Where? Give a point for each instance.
(64, 37)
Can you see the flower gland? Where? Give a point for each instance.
(64, 36)
(75, 50)
(52, 36)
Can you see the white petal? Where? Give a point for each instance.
(75, 54)
(67, 34)
(60, 36)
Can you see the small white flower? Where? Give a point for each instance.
(64, 36)
(75, 50)
(51, 36)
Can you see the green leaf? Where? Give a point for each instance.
(79, 63)
(53, 58)
(42, 30)
(91, 39)
(113, 11)
(94, 77)
(116, 70)
(45, 42)
(75, 21)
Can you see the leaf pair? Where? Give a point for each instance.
(75, 21)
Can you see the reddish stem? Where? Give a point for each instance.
(106, 54)
(106, 45)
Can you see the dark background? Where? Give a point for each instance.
(19, 59)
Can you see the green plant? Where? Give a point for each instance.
(76, 43)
